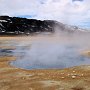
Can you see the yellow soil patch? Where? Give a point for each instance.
(86, 53)
(7, 47)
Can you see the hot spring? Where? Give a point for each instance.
(51, 51)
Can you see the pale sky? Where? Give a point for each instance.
(66, 11)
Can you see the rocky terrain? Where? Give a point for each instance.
(17, 25)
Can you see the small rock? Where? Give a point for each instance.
(81, 74)
(30, 89)
(23, 78)
(62, 77)
(68, 74)
(73, 71)
(73, 77)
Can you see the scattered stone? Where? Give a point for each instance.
(63, 77)
(73, 71)
(68, 74)
(81, 74)
(73, 77)
(23, 78)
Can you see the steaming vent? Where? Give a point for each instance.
(53, 51)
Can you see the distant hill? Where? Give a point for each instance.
(17, 25)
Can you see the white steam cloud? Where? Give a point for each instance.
(54, 51)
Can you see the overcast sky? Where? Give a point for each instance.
(66, 11)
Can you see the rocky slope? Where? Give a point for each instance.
(17, 25)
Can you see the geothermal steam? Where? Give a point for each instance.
(57, 50)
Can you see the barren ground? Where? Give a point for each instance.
(11, 78)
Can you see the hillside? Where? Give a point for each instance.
(17, 25)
